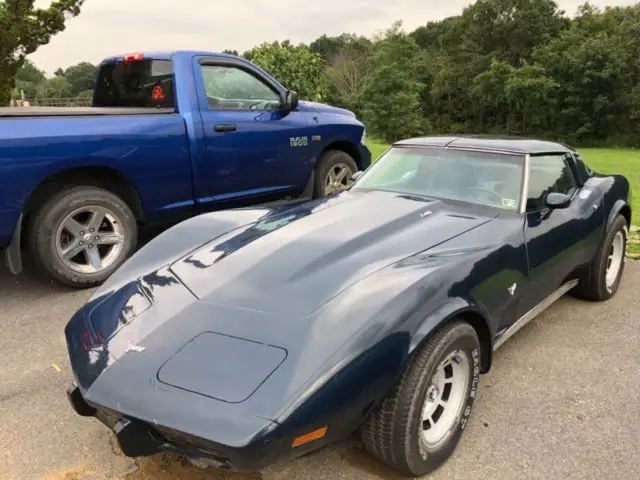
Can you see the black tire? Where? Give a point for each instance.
(593, 285)
(329, 160)
(393, 433)
(46, 221)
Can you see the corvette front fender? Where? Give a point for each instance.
(455, 308)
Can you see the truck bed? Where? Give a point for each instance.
(9, 112)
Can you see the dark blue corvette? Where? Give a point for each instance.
(248, 336)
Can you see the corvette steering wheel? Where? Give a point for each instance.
(490, 192)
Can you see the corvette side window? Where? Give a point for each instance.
(583, 168)
(548, 174)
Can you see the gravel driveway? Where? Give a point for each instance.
(562, 401)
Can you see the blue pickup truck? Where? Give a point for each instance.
(168, 136)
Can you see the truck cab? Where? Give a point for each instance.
(169, 135)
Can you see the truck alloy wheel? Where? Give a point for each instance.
(81, 235)
(338, 179)
(90, 239)
(333, 173)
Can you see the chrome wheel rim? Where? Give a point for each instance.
(446, 398)
(338, 179)
(90, 239)
(616, 256)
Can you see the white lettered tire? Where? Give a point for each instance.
(419, 423)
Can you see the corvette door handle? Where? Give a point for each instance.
(228, 127)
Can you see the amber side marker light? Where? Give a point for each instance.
(309, 437)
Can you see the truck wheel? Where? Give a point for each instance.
(333, 173)
(602, 280)
(419, 423)
(81, 235)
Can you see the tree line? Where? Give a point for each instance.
(517, 67)
(72, 82)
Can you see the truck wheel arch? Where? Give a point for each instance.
(98, 176)
(347, 147)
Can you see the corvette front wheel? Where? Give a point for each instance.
(418, 425)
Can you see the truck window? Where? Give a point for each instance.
(231, 88)
(141, 83)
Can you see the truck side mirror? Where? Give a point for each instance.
(291, 100)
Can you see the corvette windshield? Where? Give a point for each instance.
(489, 179)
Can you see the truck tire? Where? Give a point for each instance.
(333, 173)
(81, 235)
(602, 280)
(419, 423)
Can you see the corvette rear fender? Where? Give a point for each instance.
(458, 308)
(620, 207)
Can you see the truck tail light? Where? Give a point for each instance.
(133, 57)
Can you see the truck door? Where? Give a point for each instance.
(253, 148)
(558, 240)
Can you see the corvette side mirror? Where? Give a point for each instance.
(557, 200)
(356, 176)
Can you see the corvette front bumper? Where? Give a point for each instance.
(137, 438)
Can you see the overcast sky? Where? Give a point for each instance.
(107, 27)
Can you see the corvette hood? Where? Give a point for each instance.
(292, 263)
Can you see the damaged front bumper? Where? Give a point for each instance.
(137, 438)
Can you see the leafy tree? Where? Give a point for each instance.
(56, 87)
(29, 90)
(23, 28)
(350, 71)
(81, 77)
(532, 98)
(490, 93)
(330, 47)
(27, 80)
(28, 72)
(590, 64)
(296, 67)
(393, 109)
(510, 29)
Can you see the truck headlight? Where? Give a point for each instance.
(363, 140)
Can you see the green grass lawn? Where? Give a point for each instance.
(602, 160)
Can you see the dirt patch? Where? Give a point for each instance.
(172, 467)
(76, 473)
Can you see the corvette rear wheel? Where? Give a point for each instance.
(602, 280)
(418, 425)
